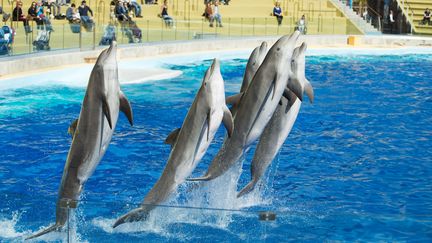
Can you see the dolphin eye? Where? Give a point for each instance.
(205, 84)
(278, 49)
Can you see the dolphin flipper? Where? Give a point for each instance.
(46, 231)
(106, 110)
(172, 137)
(126, 108)
(309, 90)
(234, 99)
(137, 214)
(228, 121)
(72, 127)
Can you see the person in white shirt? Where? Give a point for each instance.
(392, 21)
(301, 25)
(216, 15)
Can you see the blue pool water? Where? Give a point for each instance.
(356, 166)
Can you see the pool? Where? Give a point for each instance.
(356, 166)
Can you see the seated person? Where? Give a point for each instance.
(301, 24)
(121, 12)
(17, 15)
(72, 14)
(83, 11)
(133, 5)
(277, 12)
(54, 8)
(169, 21)
(208, 11)
(6, 16)
(216, 15)
(427, 17)
(44, 17)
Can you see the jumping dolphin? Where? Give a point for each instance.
(189, 143)
(91, 133)
(255, 60)
(280, 125)
(257, 105)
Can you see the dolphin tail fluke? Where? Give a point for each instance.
(248, 188)
(46, 231)
(138, 214)
(203, 178)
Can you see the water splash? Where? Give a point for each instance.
(211, 204)
(9, 228)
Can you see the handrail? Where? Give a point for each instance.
(405, 11)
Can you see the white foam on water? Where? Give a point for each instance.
(204, 204)
(60, 236)
(9, 229)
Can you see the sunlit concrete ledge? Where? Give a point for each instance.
(55, 59)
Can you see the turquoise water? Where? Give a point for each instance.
(356, 166)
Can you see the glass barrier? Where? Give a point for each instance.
(63, 35)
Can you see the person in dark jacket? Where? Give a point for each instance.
(17, 15)
(86, 20)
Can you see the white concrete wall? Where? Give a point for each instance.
(53, 59)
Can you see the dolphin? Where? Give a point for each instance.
(189, 143)
(91, 133)
(257, 105)
(281, 123)
(255, 59)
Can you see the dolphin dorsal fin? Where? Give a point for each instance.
(234, 99)
(126, 108)
(228, 121)
(72, 127)
(172, 137)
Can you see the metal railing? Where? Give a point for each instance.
(408, 13)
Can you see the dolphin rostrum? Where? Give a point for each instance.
(281, 123)
(91, 133)
(257, 105)
(189, 143)
(255, 59)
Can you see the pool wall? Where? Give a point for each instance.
(54, 59)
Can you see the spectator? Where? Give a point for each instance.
(426, 17)
(208, 12)
(392, 21)
(277, 11)
(216, 15)
(121, 12)
(44, 18)
(73, 15)
(366, 15)
(54, 8)
(169, 21)
(83, 11)
(301, 25)
(17, 15)
(136, 7)
(33, 14)
(6, 16)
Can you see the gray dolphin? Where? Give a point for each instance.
(257, 105)
(281, 123)
(189, 143)
(91, 133)
(255, 59)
